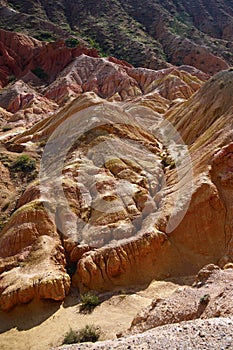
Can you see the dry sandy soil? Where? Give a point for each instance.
(42, 325)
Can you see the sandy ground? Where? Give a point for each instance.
(42, 325)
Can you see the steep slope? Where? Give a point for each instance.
(32, 60)
(29, 120)
(131, 193)
(147, 35)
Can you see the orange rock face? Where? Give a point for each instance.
(33, 259)
(119, 193)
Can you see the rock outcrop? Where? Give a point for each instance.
(197, 334)
(25, 104)
(210, 296)
(21, 54)
(32, 261)
(120, 198)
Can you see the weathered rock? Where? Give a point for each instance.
(26, 105)
(197, 334)
(20, 54)
(7, 191)
(16, 53)
(122, 208)
(115, 80)
(184, 51)
(211, 296)
(32, 258)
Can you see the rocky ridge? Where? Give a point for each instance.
(131, 244)
(129, 112)
(153, 34)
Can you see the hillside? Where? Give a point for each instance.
(116, 164)
(146, 35)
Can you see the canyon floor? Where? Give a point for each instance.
(42, 325)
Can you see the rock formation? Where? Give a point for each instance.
(21, 54)
(210, 296)
(116, 194)
(194, 317)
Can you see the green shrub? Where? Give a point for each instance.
(89, 333)
(44, 36)
(70, 337)
(89, 302)
(205, 299)
(23, 163)
(6, 128)
(71, 42)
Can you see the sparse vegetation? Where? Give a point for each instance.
(11, 78)
(122, 33)
(23, 164)
(89, 302)
(167, 162)
(44, 36)
(6, 161)
(42, 143)
(6, 128)
(89, 333)
(205, 299)
(72, 42)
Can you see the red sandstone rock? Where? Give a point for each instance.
(20, 54)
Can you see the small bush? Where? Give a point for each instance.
(42, 143)
(89, 333)
(205, 299)
(44, 36)
(72, 42)
(70, 337)
(6, 128)
(89, 302)
(23, 163)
